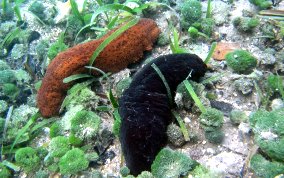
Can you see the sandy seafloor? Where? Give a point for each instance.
(231, 157)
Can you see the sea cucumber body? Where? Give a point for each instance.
(127, 48)
(145, 107)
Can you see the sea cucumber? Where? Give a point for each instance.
(145, 107)
(127, 48)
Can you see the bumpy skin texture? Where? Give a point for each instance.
(127, 48)
(145, 108)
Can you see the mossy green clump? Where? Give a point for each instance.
(191, 11)
(124, 171)
(80, 95)
(75, 141)
(73, 162)
(265, 168)
(262, 4)
(2, 125)
(268, 128)
(4, 65)
(28, 159)
(238, 116)
(163, 40)
(7, 14)
(212, 119)
(7, 76)
(193, 32)
(56, 48)
(169, 163)
(241, 61)
(85, 124)
(58, 146)
(74, 24)
(56, 129)
(275, 84)
(37, 8)
(41, 49)
(10, 90)
(207, 26)
(245, 24)
(215, 136)
(184, 100)
(92, 156)
(42, 152)
(116, 125)
(4, 172)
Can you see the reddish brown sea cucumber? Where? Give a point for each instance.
(127, 48)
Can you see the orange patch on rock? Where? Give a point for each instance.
(223, 48)
(127, 48)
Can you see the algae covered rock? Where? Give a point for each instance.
(175, 135)
(245, 24)
(85, 124)
(265, 168)
(21, 115)
(3, 106)
(203, 172)
(215, 136)
(241, 61)
(22, 76)
(18, 51)
(268, 128)
(244, 85)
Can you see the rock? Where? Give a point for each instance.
(66, 119)
(175, 135)
(220, 11)
(244, 85)
(18, 51)
(226, 163)
(238, 116)
(244, 128)
(267, 57)
(22, 76)
(277, 104)
(21, 115)
(226, 108)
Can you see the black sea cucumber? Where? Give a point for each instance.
(146, 111)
